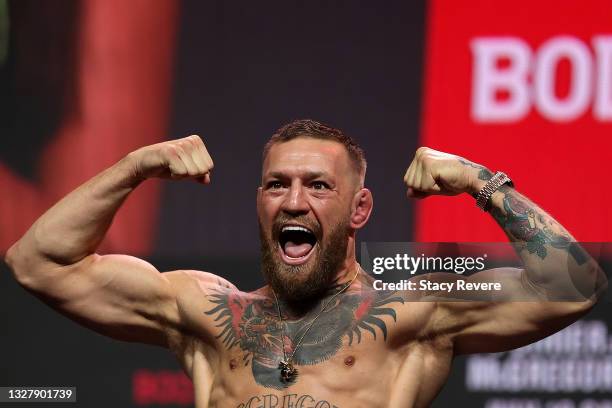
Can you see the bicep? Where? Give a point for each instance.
(516, 316)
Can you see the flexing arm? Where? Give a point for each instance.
(117, 295)
(555, 267)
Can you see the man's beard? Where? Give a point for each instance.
(308, 281)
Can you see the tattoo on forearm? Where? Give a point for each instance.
(523, 221)
(287, 400)
(483, 174)
(253, 326)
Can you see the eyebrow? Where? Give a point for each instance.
(309, 175)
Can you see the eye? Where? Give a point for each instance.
(319, 185)
(274, 185)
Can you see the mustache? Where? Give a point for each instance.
(284, 219)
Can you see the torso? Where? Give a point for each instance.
(345, 360)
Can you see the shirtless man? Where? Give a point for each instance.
(329, 340)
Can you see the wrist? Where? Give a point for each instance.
(475, 176)
(484, 196)
(129, 169)
(475, 186)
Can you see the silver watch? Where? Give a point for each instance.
(484, 195)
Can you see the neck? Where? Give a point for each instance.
(298, 310)
(349, 266)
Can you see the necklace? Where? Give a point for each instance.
(287, 371)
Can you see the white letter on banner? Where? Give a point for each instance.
(602, 109)
(487, 78)
(547, 58)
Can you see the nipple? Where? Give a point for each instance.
(349, 361)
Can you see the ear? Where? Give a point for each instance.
(361, 208)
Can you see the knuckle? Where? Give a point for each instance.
(193, 140)
(169, 151)
(179, 152)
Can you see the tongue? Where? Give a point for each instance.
(297, 250)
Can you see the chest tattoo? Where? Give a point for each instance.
(253, 326)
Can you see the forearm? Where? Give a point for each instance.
(552, 258)
(74, 227)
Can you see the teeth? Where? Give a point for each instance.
(295, 228)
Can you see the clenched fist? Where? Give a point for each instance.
(432, 172)
(177, 159)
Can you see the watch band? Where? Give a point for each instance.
(494, 183)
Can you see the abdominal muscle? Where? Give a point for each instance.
(365, 375)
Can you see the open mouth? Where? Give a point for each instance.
(296, 243)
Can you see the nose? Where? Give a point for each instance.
(296, 202)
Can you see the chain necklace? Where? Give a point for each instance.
(288, 371)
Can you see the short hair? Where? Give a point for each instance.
(317, 130)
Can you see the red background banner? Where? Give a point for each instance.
(560, 162)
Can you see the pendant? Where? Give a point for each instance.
(288, 372)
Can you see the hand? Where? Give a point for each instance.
(176, 159)
(437, 173)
